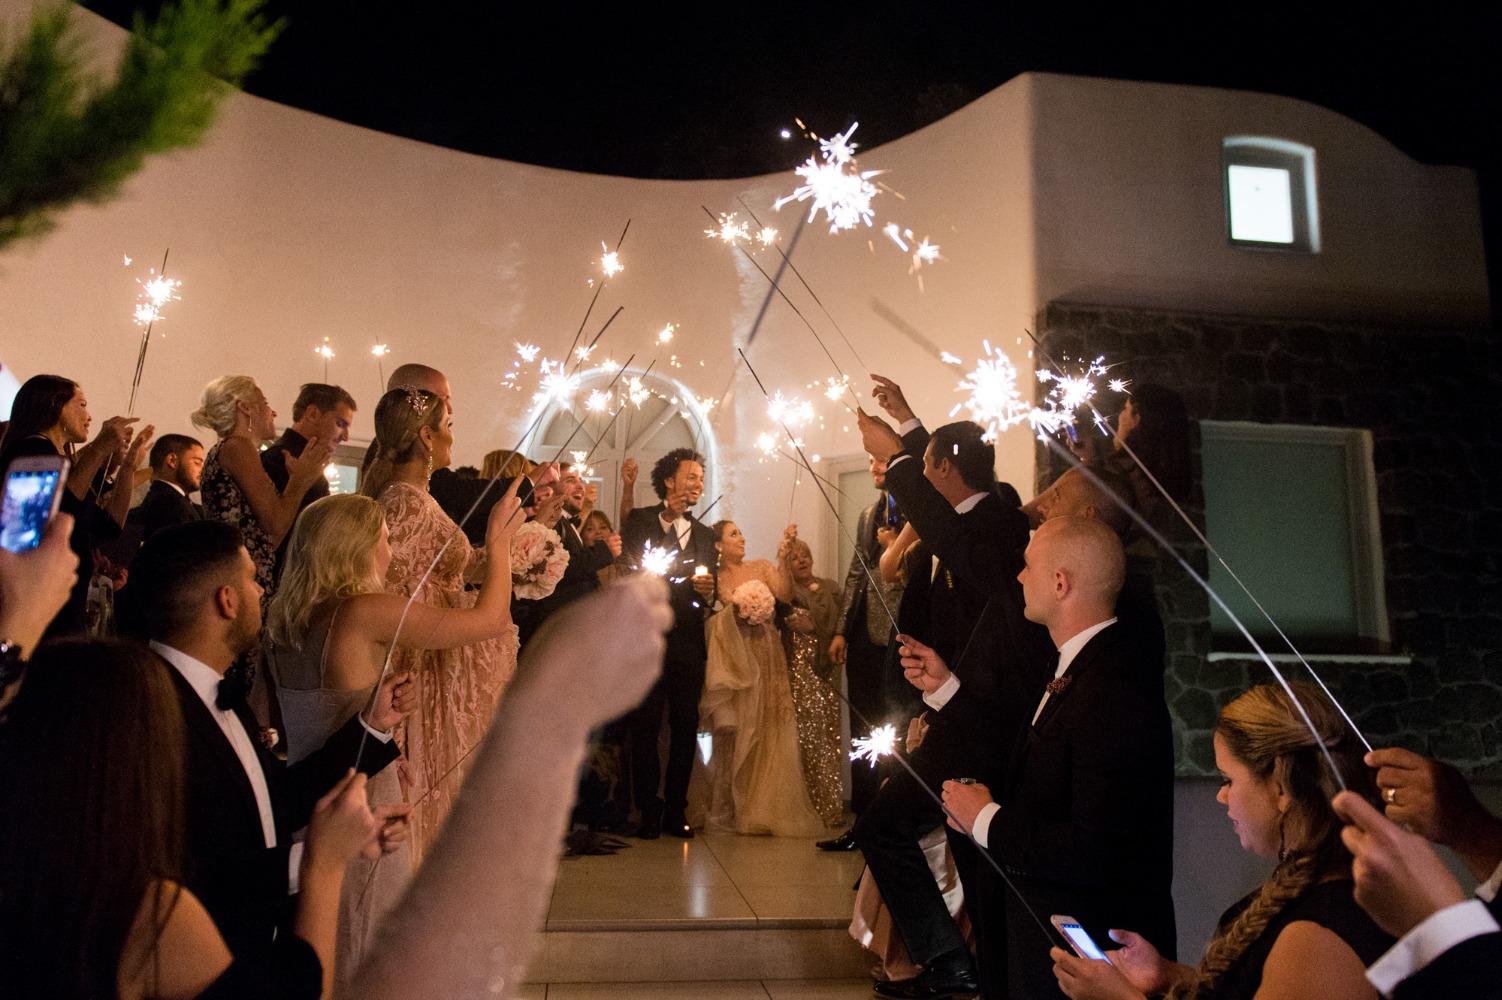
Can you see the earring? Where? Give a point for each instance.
(1282, 839)
(430, 465)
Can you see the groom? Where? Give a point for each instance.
(678, 478)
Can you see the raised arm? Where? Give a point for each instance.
(469, 920)
(276, 511)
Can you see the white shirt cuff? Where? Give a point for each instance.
(383, 737)
(294, 868)
(908, 426)
(939, 697)
(982, 829)
(1488, 890)
(1426, 942)
(901, 456)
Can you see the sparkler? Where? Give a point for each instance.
(667, 333)
(325, 351)
(380, 351)
(994, 401)
(656, 560)
(730, 231)
(156, 292)
(610, 261)
(881, 743)
(835, 184)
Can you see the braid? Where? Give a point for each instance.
(1293, 878)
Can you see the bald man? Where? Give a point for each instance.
(1083, 816)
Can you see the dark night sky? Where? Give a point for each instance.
(649, 91)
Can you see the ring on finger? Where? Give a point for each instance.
(1390, 795)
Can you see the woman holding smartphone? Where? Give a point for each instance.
(50, 417)
(1300, 934)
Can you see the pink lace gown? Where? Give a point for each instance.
(457, 689)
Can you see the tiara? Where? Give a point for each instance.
(414, 398)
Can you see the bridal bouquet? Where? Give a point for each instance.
(754, 602)
(538, 560)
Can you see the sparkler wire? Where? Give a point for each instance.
(135, 383)
(1209, 547)
(938, 799)
(598, 289)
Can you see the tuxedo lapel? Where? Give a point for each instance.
(204, 728)
(1079, 665)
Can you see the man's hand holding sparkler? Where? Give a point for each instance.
(1400, 881)
(889, 397)
(923, 668)
(1432, 800)
(879, 440)
(964, 800)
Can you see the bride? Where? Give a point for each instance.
(748, 703)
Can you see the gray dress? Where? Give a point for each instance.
(311, 713)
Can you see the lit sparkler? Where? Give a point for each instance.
(767, 236)
(380, 351)
(598, 402)
(1119, 384)
(656, 560)
(667, 333)
(557, 385)
(1069, 393)
(790, 412)
(610, 261)
(637, 391)
(994, 401)
(325, 351)
(156, 292)
(924, 253)
(730, 231)
(837, 185)
(881, 743)
(528, 352)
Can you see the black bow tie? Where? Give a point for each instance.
(231, 695)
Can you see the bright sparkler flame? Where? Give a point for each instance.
(380, 350)
(767, 443)
(994, 401)
(610, 261)
(881, 743)
(767, 236)
(790, 413)
(579, 456)
(926, 253)
(656, 560)
(895, 235)
(324, 350)
(1069, 393)
(637, 392)
(835, 387)
(949, 359)
(156, 292)
(583, 352)
(598, 402)
(557, 385)
(667, 333)
(528, 352)
(730, 232)
(1119, 384)
(837, 185)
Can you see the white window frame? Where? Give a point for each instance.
(1298, 160)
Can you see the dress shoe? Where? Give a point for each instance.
(844, 842)
(677, 826)
(937, 981)
(650, 827)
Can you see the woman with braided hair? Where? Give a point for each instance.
(457, 688)
(1300, 934)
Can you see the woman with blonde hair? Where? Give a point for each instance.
(1300, 934)
(458, 687)
(504, 464)
(328, 632)
(235, 487)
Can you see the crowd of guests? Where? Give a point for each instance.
(255, 789)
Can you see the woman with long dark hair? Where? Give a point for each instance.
(50, 417)
(91, 826)
(1300, 934)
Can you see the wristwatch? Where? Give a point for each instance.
(11, 662)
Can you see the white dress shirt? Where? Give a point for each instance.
(1067, 654)
(1434, 936)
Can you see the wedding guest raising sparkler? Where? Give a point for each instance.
(50, 417)
(320, 413)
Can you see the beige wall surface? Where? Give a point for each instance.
(1131, 210)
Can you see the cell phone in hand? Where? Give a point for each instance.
(1083, 944)
(33, 489)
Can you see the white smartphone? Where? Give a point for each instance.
(1083, 944)
(33, 489)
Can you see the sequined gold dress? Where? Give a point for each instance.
(457, 689)
(815, 702)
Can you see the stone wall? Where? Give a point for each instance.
(1431, 401)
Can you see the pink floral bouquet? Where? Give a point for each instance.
(754, 602)
(538, 560)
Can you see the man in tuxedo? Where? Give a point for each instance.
(194, 590)
(678, 479)
(1083, 819)
(580, 577)
(962, 598)
(176, 467)
(860, 641)
(1448, 946)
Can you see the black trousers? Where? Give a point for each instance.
(679, 687)
(864, 661)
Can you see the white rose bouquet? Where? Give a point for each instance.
(538, 560)
(754, 602)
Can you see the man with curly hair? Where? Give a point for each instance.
(678, 480)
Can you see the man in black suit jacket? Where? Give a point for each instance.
(1448, 946)
(581, 576)
(320, 412)
(1083, 819)
(678, 478)
(176, 468)
(962, 599)
(201, 606)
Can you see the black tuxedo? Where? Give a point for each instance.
(1472, 968)
(163, 506)
(580, 578)
(682, 680)
(1085, 825)
(242, 883)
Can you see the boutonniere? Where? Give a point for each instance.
(1058, 684)
(948, 579)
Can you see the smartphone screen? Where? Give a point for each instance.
(30, 499)
(1084, 945)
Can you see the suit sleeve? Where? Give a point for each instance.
(855, 576)
(635, 535)
(310, 779)
(1470, 969)
(984, 559)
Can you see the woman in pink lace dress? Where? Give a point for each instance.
(457, 689)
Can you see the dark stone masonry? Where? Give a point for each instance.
(1431, 401)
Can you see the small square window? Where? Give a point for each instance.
(1270, 200)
